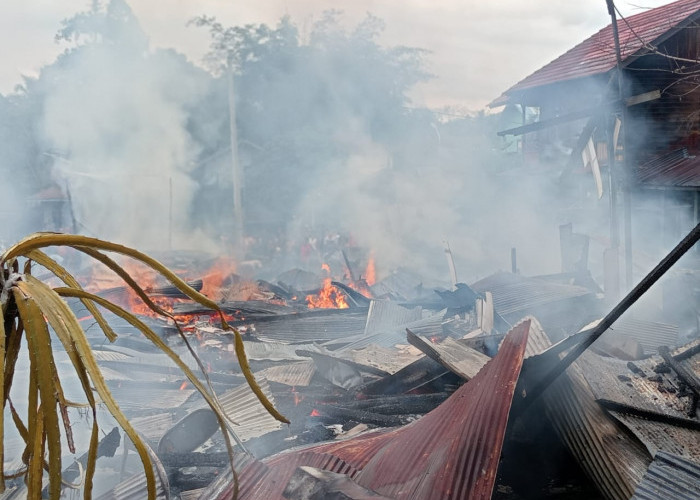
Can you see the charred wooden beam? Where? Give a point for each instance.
(413, 376)
(408, 404)
(345, 414)
(649, 415)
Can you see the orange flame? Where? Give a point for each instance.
(315, 413)
(183, 386)
(215, 276)
(329, 297)
(370, 272)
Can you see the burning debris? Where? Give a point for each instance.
(427, 397)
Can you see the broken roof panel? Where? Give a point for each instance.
(318, 326)
(614, 461)
(596, 55)
(516, 294)
(669, 476)
(452, 452)
(663, 436)
(677, 170)
(294, 374)
(651, 335)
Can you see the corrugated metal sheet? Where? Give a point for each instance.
(134, 487)
(138, 399)
(516, 294)
(244, 408)
(660, 436)
(596, 54)
(152, 427)
(384, 315)
(390, 337)
(615, 462)
(192, 494)
(299, 329)
(293, 374)
(644, 389)
(389, 360)
(275, 351)
(450, 453)
(611, 379)
(651, 335)
(670, 477)
(676, 169)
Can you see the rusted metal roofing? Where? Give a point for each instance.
(669, 476)
(596, 55)
(451, 453)
(614, 461)
(677, 169)
(513, 293)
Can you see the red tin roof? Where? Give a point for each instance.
(596, 54)
(451, 453)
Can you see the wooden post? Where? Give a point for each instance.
(237, 173)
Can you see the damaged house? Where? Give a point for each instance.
(632, 88)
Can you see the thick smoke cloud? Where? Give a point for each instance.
(118, 115)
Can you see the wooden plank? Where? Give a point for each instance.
(458, 358)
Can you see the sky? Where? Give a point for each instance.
(477, 49)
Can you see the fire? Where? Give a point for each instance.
(329, 297)
(315, 413)
(298, 398)
(183, 386)
(215, 276)
(370, 272)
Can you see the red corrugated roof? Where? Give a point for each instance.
(451, 453)
(596, 54)
(676, 169)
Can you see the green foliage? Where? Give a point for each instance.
(30, 307)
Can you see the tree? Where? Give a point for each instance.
(306, 106)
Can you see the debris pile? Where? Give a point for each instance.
(436, 394)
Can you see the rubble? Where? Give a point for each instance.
(407, 397)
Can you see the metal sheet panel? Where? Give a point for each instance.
(450, 453)
(244, 408)
(651, 335)
(293, 374)
(615, 462)
(596, 54)
(670, 476)
(513, 293)
(663, 437)
(676, 169)
(384, 315)
(317, 327)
